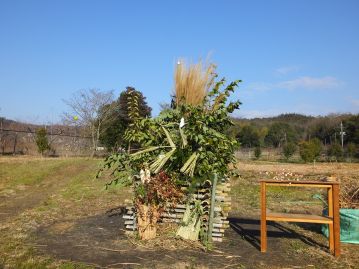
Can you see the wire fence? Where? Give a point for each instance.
(62, 143)
(34, 132)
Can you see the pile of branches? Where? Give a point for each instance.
(349, 193)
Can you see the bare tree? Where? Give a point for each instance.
(89, 109)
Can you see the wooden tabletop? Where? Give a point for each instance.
(301, 182)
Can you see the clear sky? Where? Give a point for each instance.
(293, 56)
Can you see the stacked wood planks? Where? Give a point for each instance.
(202, 194)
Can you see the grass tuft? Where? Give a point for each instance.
(192, 82)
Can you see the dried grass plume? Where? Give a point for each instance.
(192, 81)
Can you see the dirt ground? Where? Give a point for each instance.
(54, 215)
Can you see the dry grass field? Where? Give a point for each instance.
(53, 214)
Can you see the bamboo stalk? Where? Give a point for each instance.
(178, 210)
(223, 188)
(175, 216)
(171, 220)
(217, 234)
(211, 215)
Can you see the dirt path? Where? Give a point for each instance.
(13, 203)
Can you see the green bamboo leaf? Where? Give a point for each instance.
(190, 164)
(160, 162)
(145, 150)
(169, 139)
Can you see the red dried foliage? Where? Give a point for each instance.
(161, 191)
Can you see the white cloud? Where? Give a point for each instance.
(309, 83)
(284, 70)
(260, 86)
(306, 109)
(250, 114)
(355, 102)
(301, 83)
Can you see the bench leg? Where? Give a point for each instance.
(330, 214)
(263, 218)
(336, 220)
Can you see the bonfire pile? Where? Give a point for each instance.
(175, 160)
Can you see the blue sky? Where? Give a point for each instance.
(293, 56)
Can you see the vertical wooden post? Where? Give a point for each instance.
(330, 214)
(263, 218)
(336, 220)
(211, 213)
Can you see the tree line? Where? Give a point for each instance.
(106, 120)
(335, 136)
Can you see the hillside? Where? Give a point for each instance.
(297, 127)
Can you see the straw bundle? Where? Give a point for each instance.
(192, 82)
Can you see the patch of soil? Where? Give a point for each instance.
(19, 203)
(101, 240)
(13, 203)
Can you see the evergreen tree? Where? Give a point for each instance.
(335, 150)
(310, 150)
(115, 128)
(280, 133)
(257, 152)
(41, 140)
(289, 149)
(248, 136)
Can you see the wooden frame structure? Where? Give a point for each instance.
(333, 211)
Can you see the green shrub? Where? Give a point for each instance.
(41, 140)
(310, 150)
(257, 152)
(335, 150)
(352, 150)
(289, 149)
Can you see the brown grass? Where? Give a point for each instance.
(338, 170)
(193, 81)
(346, 173)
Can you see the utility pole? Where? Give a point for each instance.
(342, 134)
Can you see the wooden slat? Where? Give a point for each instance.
(298, 218)
(263, 218)
(330, 214)
(311, 182)
(302, 184)
(336, 222)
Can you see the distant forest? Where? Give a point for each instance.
(292, 132)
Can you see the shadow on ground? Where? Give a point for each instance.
(275, 231)
(101, 240)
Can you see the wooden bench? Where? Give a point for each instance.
(333, 211)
